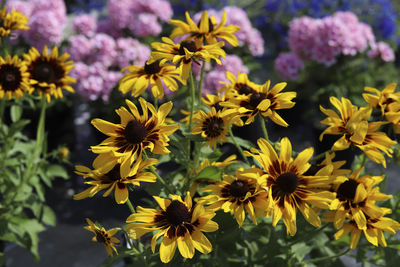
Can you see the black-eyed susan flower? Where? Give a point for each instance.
(238, 194)
(262, 101)
(334, 171)
(356, 196)
(239, 85)
(135, 133)
(288, 187)
(178, 222)
(13, 78)
(214, 125)
(113, 180)
(155, 75)
(381, 100)
(48, 73)
(355, 129)
(10, 21)
(206, 29)
(103, 236)
(373, 231)
(393, 116)
(184, 53)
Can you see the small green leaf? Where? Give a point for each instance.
(242, 142)
(15, 113)
(17, 127)
(48, 216)
(55, 170)
(210, 173)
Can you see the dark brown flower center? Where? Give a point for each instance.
(239, 188)
(189, 45)
(244, 89)
(100, 237)
(213, 126)
(10, 77)
(347, 190)
(287, 182)
(135, 132)
(256, 99)
(152, 68)
(44, 72)
(114, 174)
(177, 213)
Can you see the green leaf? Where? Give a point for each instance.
(55, 170)
(15, 113)
(17, 127)
(242, 142)
(48, 216)
(210, 173)
(301, 250)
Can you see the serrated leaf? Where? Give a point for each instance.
(210, 173)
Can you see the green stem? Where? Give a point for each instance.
(309, 234)
(264, 127)
(321, 155)
(2, 107)
(38, 147)
(130, 206)
(130, 242)
(159, 178)
(200, 85)
(192, 96)
(238, 146)
(156, 103)
(327, 257)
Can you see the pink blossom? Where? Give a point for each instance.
(131, 52)
(288, 65)
(80, 47)
(145, 25)
(57, 7)
(85, 24)
(104, 49)
(301, 35)
(382, 50)
(21, 6)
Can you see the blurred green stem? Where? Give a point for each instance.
(130, 206)
(200, 85)
(238, 146)
(159, 178)
(264, 128)
(192, 96)
(326, 258)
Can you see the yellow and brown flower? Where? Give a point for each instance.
(11, 21)
(103, 236)
(14, 78)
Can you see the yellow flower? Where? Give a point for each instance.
(373, 231)
(180, 224)
(114, 179)
(353, 125)
(13, 78)
(207, 29)
(11, 21)
(393, 116)
(237, 195)
(103, 236)
(48, 73)
(134, 134)
(156, 75)
(262, 101)
(287, 185)
(214, 125)
(356, 196)
(184, 53)
(63, 152)
(382, 99)
(239, 86)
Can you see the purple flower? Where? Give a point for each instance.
(301, 35)
(104, 49)
(80, 47)
(85, 24)
(382, 50)
(21, 6)
(145, 25)
(288, 65)
(131, 52)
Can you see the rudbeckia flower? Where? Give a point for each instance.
(373, 231)
(353, 125)
(179, 223)
(262, 101)
(288, 187)
(10, 21)
(184, 53)
(127, 140)
(214, 125)
(156, 75)
(112, 179)
(13, 78)
(103, 236)
(237, 195)
(240, 85)
(206, 29)
(356, 196)
(382, 99)
(48, 73)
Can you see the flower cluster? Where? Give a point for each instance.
(324, 40)
(147, 14)
(100, 56)
(47, 20)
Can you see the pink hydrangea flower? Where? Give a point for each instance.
(131, 52)
(288, 65)
(145, 25)
(301, 35)
(382, 50)
(105, 49)
(85, 24)
(80, 47)
(22, 6)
